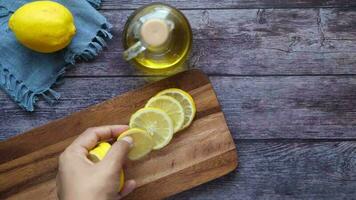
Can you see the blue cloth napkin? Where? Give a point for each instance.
(27, 75)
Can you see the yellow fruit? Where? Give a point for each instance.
(43, 26)
(156, 122)
(99, 152)
(171, 106)
(185, 100)
(142, 145)
(122, 180)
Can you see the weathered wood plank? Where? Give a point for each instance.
(277, 170)
(255, 107)
(203, 4)
(250, 42)
(285, 170)
(338, 24)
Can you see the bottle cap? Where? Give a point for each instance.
(155, 32)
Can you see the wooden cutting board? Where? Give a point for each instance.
(204, 151)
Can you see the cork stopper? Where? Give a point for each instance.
(155, 32)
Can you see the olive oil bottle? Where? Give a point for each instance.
(157, 39)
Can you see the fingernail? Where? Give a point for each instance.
(129, 140)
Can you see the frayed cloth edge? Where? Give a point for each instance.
(96, 45)
(23, 95)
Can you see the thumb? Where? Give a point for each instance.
(117, 154)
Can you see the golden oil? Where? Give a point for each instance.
(164, 46)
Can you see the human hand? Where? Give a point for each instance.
(79, 178)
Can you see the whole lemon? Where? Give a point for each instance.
(43, 26)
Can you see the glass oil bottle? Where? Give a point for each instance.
(157, 39)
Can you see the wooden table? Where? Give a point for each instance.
(285, 74)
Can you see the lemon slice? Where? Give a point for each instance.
(98, 153)
(185, 100)
(142, 144)
(156, 122)
(172, 107)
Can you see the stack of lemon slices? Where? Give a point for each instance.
(153, 126)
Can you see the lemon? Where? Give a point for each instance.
(142, 144)
(172, 107)
(156, 122)
(98, 153)
(122, 179)
(185, 100)
(43, 26)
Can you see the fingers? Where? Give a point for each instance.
(129, 186)
(59, 187)
(89, 138)
(116, 156)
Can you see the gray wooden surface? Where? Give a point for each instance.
(284, 72)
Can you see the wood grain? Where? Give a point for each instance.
(200, 153)
(211, 4)
(251, 42)
(255, 107)
(285, 170)
(295, 134)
